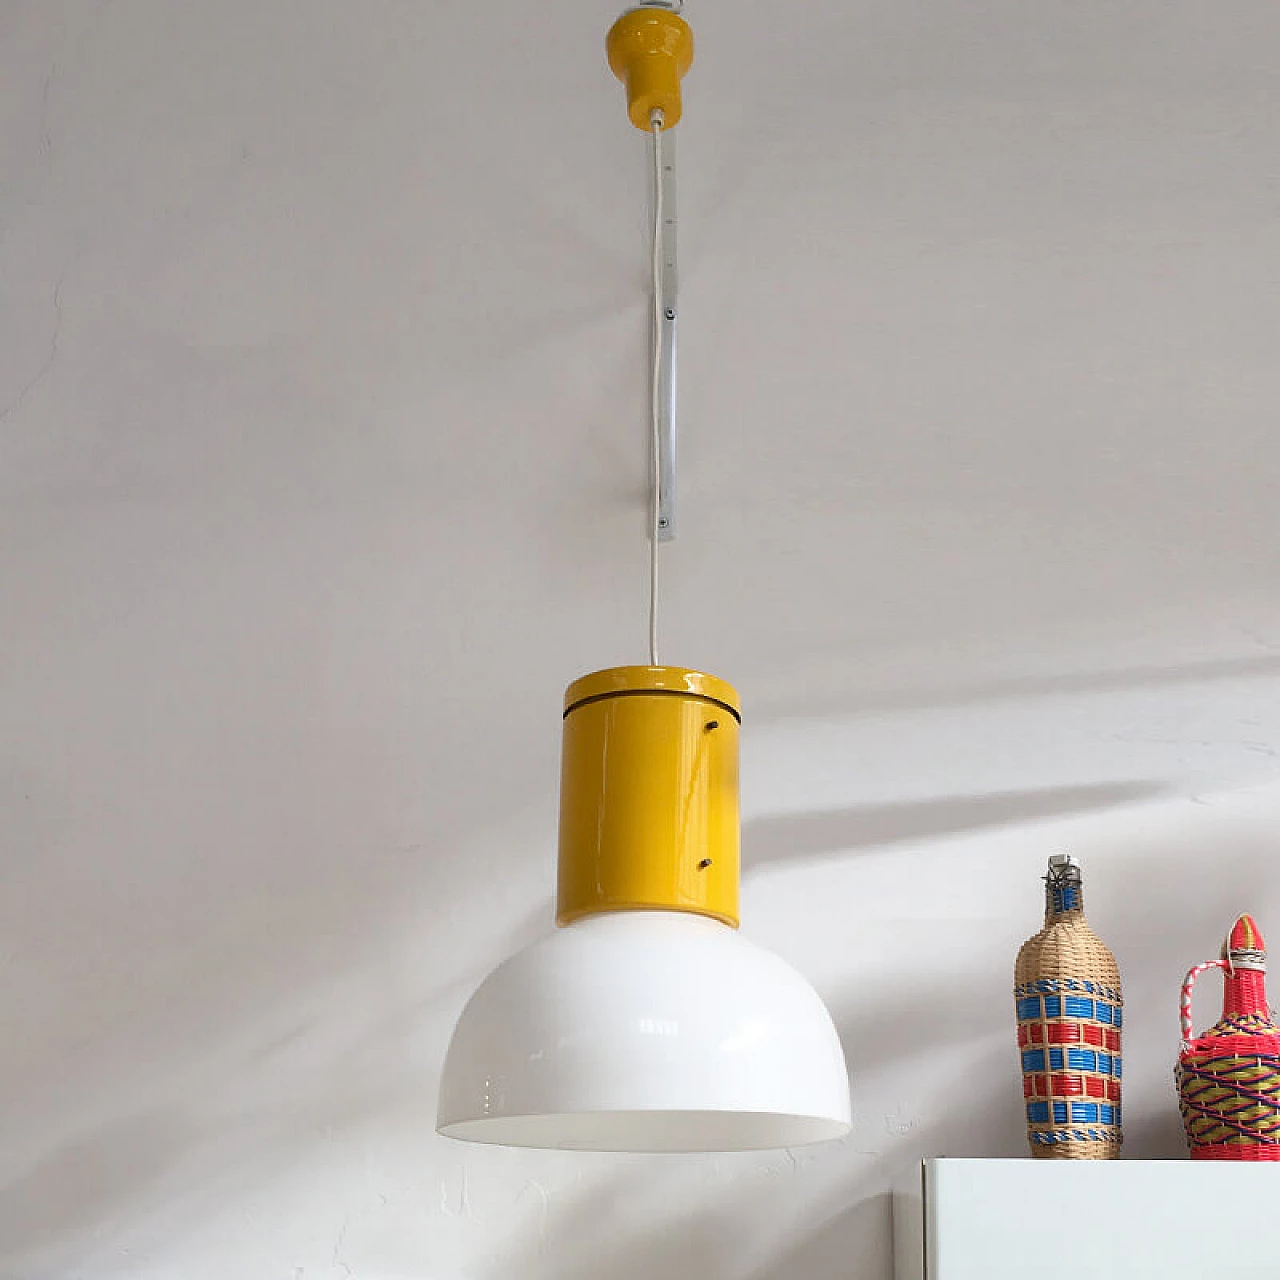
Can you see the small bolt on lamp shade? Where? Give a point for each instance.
(646, 1022)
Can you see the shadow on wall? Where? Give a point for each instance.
(851, 1245)
(824, 1213)
(158, 1174)
(120, 1164)
(172, 1170)
(73, 1200)
(798, 702)
(77, 1188)
(813, 835)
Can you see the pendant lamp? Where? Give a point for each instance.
(646, 1022)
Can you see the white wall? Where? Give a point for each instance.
(321, 473)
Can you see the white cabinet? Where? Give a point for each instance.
(1088, 1220)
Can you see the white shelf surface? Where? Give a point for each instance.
(1070, 1219)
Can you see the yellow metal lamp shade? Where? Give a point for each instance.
(649, 794)
(646, 1023)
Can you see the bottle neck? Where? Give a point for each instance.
(1063, 899)
(1245, 992)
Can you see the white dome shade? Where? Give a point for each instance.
(645, 1031)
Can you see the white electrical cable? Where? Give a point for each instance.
(655, 443)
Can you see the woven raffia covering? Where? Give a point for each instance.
(1229, 1078)
(1069, 1005)
(1231, 1101)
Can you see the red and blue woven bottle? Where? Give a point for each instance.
(1068, 1001)
(1229, 1078)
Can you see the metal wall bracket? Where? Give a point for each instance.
(667, 289)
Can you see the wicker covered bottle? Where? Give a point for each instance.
(1067, 995)
(1229, 1078)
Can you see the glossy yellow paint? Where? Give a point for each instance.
(649, 51)
(649, 794)
(630, 679)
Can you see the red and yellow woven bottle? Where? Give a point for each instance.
(1067, 994)
(1229, 1078)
